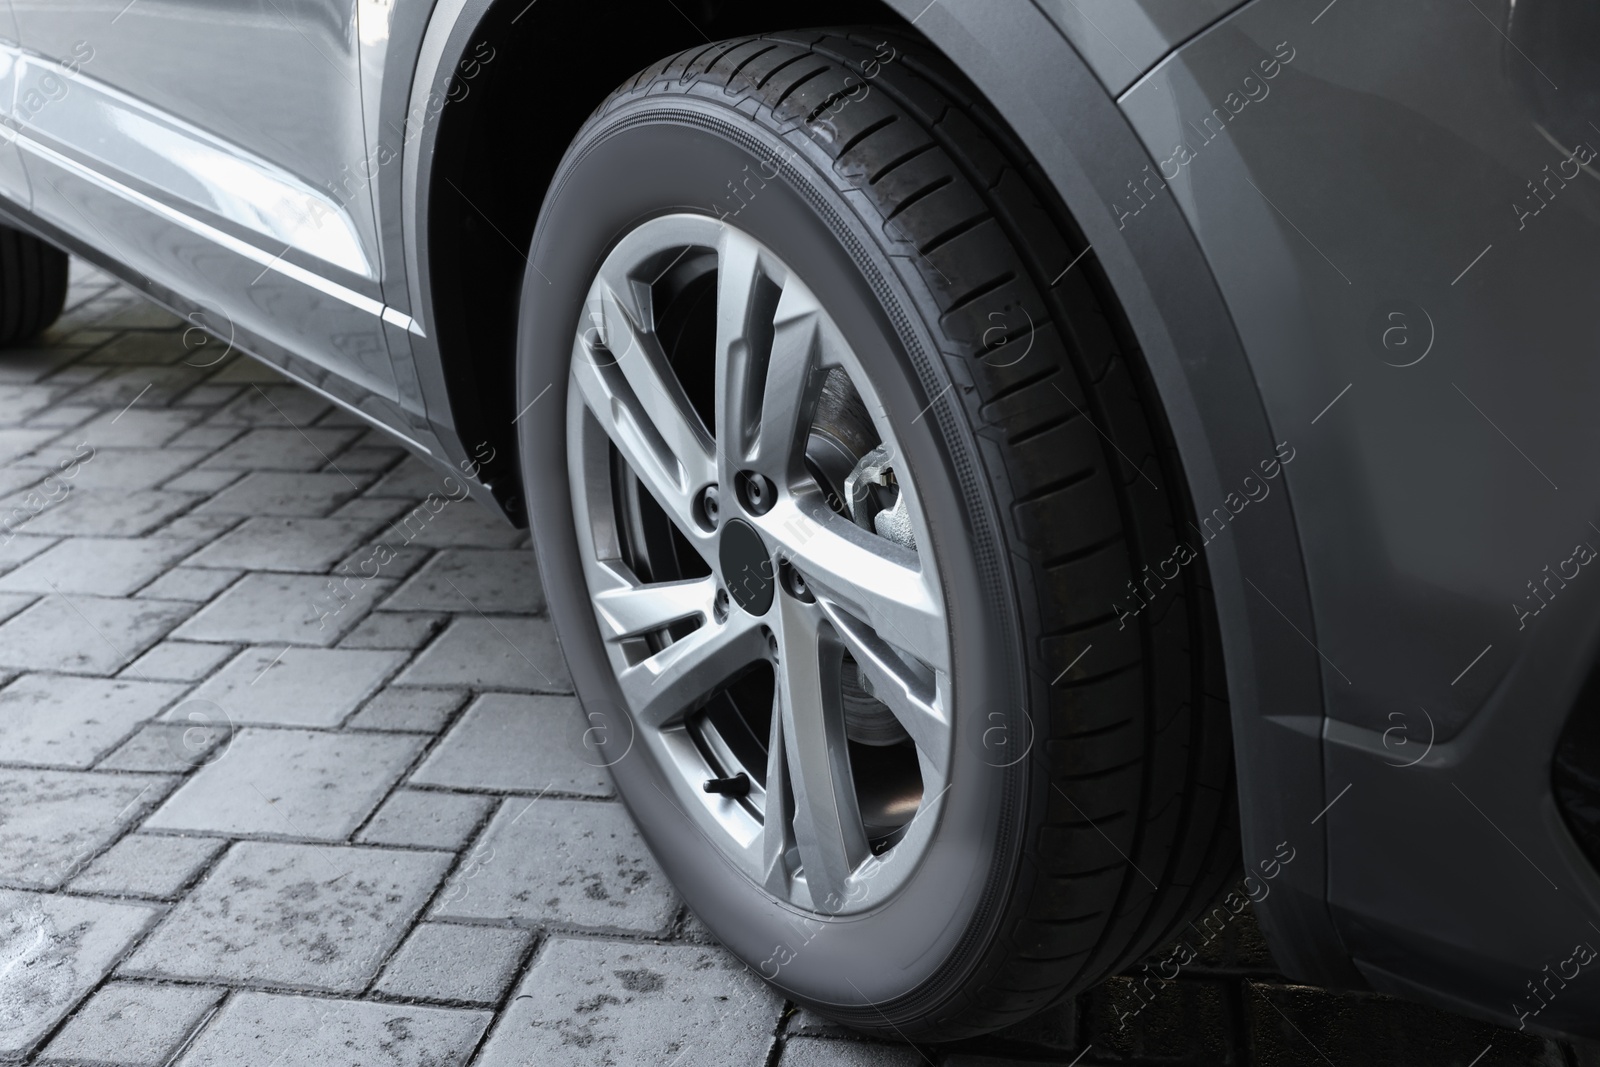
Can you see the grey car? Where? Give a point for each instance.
(1016, 481)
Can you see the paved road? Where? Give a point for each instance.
(290, 775)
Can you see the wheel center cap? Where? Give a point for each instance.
(746, 566)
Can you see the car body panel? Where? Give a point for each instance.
(13, 175)
(1121, 41)
(1407, 246)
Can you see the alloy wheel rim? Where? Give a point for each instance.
(741, 528)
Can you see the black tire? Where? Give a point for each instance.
(33, 285)
(1112, 820)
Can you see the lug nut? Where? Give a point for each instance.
(756, 492)
(772, 644)
(794, 583)
(719, 605)
(710, 506)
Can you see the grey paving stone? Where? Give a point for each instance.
(461, 524)
(137, 427)
(19, 509)
(274, 493)
(150, 385)
(519, 743)
(297, 686)
(297, 609)
(283, 544)
(247, 369)
(18, 548)
(79, 372)
(17, 402)
(52, 821)
(381, 510)
(466, 964)
(208, 396)
(426, 820)
(817, 1052)
(290, 783)
(17, 477)
(208, 438)
(17, 443)
(692, 929)
(55, 950)
(139, 1024)
(368, 458)
(62, 416)
(573, 862)
(148, 865)
(418, 710)
(381, 558)
(144, 315)
(196, 584)
(588, 1002)
(81, 274)
(415, 479)
(161, 349)
(394, 629)
(178, 661)
(102, 566)
(85, 634)
(55, 720)
(275, 406)
(111, 513)
(808, 1023)
(202, 481)
(266, 1030)
(127, 469)
(338, 416)
(12, 603)
(32, 364)
(284, 449)
(171, 747)
(499, 653)
(314, 917)
(488, 580)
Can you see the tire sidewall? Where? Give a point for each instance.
(642, 158)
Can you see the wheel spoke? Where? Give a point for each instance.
(828, 827)
(630, 609)
(767, 364)
(656, 388)
(777, 835)
(739, 369)
(660, 689)
(876, 580)
(640, 405)
(911, 693)
(788, 399)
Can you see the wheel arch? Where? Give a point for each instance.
(472, 197)
(476, 176)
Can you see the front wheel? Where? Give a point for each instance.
(832, 508)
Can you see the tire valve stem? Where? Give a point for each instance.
(737, 786)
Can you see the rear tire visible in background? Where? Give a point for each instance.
(1023, 787)
(33, 285)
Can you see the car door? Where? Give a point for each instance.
(214, 147)
(13, 177)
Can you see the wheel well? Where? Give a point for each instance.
(499, 145)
